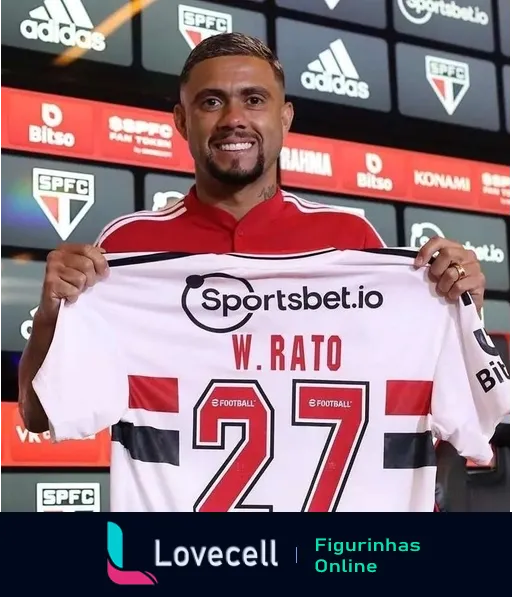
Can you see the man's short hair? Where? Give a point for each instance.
(231, 44)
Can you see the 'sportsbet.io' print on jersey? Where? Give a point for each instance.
(234, 301)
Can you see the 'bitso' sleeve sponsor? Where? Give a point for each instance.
(488, 374)
(471, 391)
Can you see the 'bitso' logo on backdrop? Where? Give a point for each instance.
(46, 132)
(372, 177)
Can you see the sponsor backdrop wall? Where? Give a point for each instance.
(402, 115)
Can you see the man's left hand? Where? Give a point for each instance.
(452, 281)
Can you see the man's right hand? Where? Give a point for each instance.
(70, 269)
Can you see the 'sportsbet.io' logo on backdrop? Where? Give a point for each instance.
(419, 12)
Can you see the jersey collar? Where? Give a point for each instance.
(259, 215)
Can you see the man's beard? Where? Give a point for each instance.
(235, 175)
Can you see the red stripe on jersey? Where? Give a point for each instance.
(157, 394)
(408, 397)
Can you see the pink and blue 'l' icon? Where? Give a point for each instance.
(115, 561)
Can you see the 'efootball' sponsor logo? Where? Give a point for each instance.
(196, 24)
(449, 79)
(420, 12)
(64, 197)
(421, 232)
(305, 161)
(45, 133)
(233, 301)
(68, 497)
(371, 179)
(63, 22)
(334, 72)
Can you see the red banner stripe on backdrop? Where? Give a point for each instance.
(21, 448)
(84, 129)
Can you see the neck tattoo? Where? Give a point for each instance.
(268, 192)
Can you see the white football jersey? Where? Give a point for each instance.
(300, 383)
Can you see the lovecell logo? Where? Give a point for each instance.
(115, 568)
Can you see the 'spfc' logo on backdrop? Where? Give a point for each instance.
(449, 79)
(197, 24)
(68, 497)
(64, 197)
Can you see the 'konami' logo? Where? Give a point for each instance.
(306, 161)
(424, 178)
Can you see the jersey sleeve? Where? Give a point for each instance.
(490, 378)
(471, 389)
(82, 384)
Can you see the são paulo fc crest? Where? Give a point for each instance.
(449, 79)
(64, 197)
(196, 24)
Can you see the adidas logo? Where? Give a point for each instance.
(63, 22)
(334, 72)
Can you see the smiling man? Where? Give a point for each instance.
(234, 115)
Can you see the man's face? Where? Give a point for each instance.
(234, 117)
